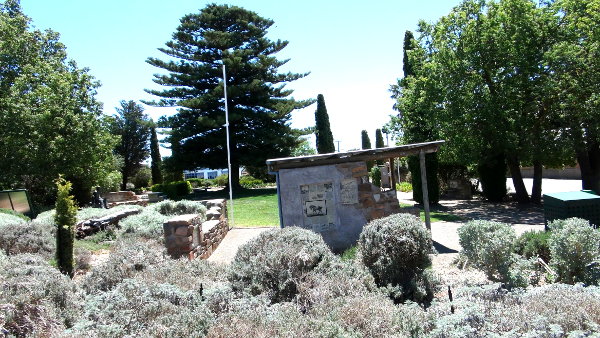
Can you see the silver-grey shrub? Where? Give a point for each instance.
(574, 244)
(18, 236)
(35, 298)
(149, 223)
(396, 251)
(554, 310)
(275, 261)
(128, 258)
(137, 308)
(488, 246)
(182, 207)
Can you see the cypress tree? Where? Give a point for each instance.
(65, 219)
(379, 143)
(366, 144)
(365, 141)
(323, 130)
(155, 155)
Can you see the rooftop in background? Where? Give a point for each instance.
(353, 156)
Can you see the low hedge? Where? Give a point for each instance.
(174, 190)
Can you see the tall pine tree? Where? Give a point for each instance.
(366, 144)
(323, 130)
(259, 104)
(133, 126)
(156, 164)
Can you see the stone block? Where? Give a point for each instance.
(182, 220)
(213, 214)
(364, 187)
(377, 213)
(209, 225)
(184, 230)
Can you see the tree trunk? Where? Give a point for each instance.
(235, 177)
(589, 163)
(536, 190)
(517, 178)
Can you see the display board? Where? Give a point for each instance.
(318, 206)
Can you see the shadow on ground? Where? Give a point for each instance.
(507, 212)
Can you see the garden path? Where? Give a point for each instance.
(233, 240)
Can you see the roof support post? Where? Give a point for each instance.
(425, 190)
(392, 174)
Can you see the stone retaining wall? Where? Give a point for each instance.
(124, 198)
(192, 237)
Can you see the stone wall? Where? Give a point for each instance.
(193, 236)
(124, 198)
(334, 200)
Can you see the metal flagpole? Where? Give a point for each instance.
(228, 152)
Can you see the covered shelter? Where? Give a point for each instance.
(331, 193)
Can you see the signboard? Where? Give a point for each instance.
(318, 205)
(349, 191)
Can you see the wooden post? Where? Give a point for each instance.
(393, 177)
(425, 191)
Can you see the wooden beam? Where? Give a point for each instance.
(393, 177)
(352, 156)
(425, 191)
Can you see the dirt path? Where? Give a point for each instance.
(232, 241)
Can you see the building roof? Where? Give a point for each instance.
(353, 156)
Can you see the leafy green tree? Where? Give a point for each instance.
(322, 128)
(156, 164)
(50, 120)
(417, 121)
(304, 149)
(259, 104)
(574, 71)
(133, 126)
(65, 220)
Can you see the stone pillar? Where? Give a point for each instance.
(182, 235)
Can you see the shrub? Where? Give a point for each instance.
(92, 213)
(13, 213)
(20, 237)
(275, 261)
(142, 177)
(222, 180)
(250, 182)
(554, 310)
(83, 258)
(404, 186)
(488, 246)
(200, 182)
(376, 176)
(111, 181)
(182, 207)
(174, 190)
(36, 299)
(574, 244)
(533, 244)
(395, 249)
(65, 219)
(149, 223)
(128, 258)
(137, 308)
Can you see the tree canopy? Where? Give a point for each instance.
(133, 127)
(495, 79)
(50, 120)
(259, 104)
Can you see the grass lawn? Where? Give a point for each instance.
(258, 207)
(252, 207)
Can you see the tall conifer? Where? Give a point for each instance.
(156, 159)
(323, 130)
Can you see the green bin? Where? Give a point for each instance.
(582, 204)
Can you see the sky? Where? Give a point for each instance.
(352, 49)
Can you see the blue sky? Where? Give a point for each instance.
(353, 49)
